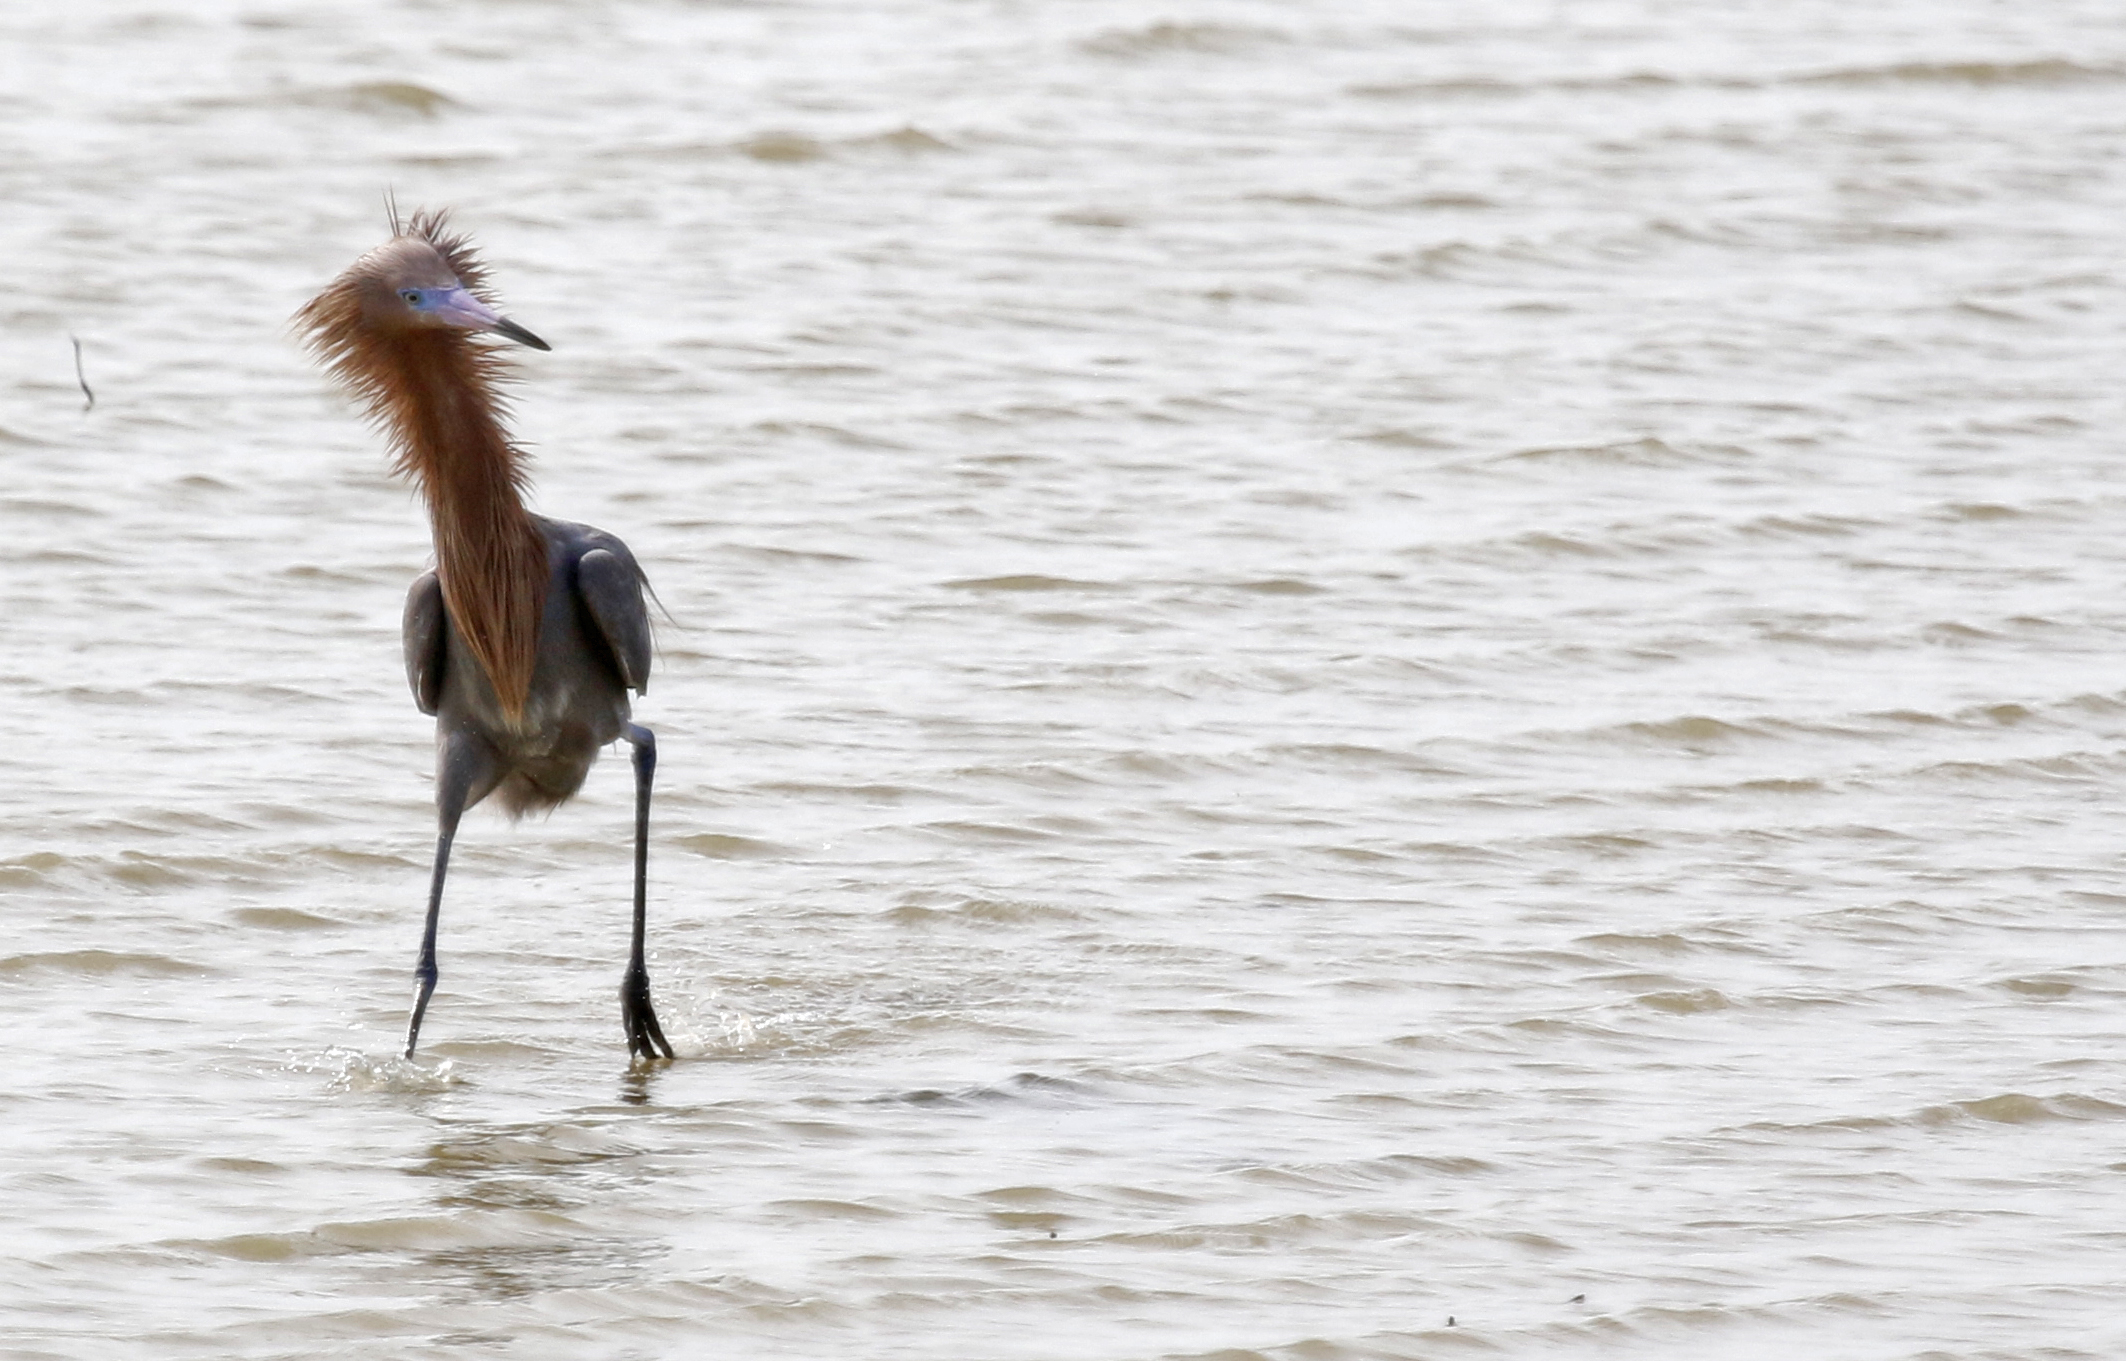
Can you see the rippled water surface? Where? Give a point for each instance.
(1345, 681)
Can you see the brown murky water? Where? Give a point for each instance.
(1333, 667)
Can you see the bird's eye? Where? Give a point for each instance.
(412, 296)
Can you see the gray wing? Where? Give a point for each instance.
(610, 587)
(423, 632)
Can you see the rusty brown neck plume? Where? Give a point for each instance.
(435, 392)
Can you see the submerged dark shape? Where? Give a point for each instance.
(528, 636)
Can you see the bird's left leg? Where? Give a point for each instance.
(645, 1038)
(463, 765)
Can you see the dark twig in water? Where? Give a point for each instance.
(82, 378)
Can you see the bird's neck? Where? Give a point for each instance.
(448, 434)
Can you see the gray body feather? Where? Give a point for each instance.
(594, 648)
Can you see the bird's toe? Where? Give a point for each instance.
(645, 1037)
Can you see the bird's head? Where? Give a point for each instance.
(426, 278)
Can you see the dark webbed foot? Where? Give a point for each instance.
(645, 1038)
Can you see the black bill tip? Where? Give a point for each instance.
(511, 330)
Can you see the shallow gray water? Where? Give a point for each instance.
(1345, 681)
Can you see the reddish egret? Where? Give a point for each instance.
(527, 637)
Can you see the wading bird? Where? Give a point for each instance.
(527, 637)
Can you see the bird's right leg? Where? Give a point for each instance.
(460, 764)
(645, 1038)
